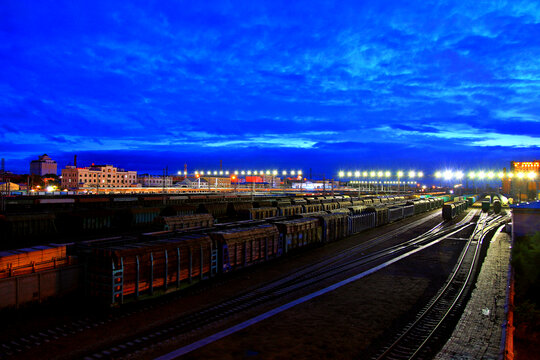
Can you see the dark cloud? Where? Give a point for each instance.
(314, 83)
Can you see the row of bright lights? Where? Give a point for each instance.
(383, 182)
(380, 174)
(482, 174)
(247, 172)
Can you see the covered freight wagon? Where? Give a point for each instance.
(241, 247)
(185, 222)
(299, 233)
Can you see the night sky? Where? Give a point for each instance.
(270, 84)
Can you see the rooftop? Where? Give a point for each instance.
(527, 205)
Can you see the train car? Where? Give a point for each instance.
(486, 204)
(242, 247)
(144, 215)
(299, 201)
(124, 266)
(289, 210)
(357, 210)
(395, 213)
(361, 222)
(258, 213)
(85, 221)
(357, 203)
(382, 215)
(408, 210)
(178, 210)
(216, 209)
(299, 233)
(452, 209)
(14, 228)
(344, 204)
(334, 226)
(184, 222)
(309, 208)
(496, 205)
(124, 201)
(235, 208)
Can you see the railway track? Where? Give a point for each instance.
(272, 292)
(417, 339)
(20, 344)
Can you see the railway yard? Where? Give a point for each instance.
(373, 279)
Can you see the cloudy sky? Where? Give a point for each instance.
(270, 84)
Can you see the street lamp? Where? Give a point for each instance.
(399, 176)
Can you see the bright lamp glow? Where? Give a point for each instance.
(202, 172)
(357, 174)
(249, 172)
(299, 172)
(490, 175)
(458, 175)
(243, 172)
(420, 174)
(364, 174)
(438, 174)
(447, 175)
(500, 174)
(341, 174)
(379, 174)
(510, 175)
(284, 173)
(400, 173)
(481, 175)
(267, 172)
(293, 172)
(520, 175)
(472, 174)
(274, 172)
(372, 173)
(349, 173)
(387, 174)
(412, 174)
(531, 175)
(50, 188)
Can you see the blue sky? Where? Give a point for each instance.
(326, 85)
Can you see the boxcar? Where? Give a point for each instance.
(299, 233)
(395, 213)
(241, 247)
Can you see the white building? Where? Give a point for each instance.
(97, 176)
(44, 165)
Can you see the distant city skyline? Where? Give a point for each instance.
(270, 84)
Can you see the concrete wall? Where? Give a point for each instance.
(24, 289)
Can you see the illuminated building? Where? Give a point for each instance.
(43, 165)
(97, 176)
(218, 181)
(522, 182)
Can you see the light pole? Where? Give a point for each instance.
(399, 176)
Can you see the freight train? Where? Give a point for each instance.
(157, 262)
(31, 220)
(190, 247)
